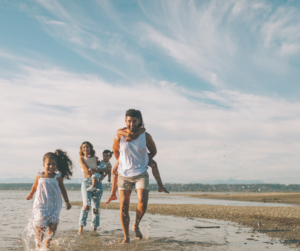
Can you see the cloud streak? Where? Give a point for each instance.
(224, 43)
(52, 108)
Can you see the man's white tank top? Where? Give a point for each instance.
(134, 157)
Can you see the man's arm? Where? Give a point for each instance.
(150, 145)
(116, 146)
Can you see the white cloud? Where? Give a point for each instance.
(91, 39)
(218, 40)
(282, 27)
(51, 108)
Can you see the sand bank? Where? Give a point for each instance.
(287, 198)
(265, 219)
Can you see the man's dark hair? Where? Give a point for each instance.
(135, 114)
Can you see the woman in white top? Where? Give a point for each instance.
(88, 163)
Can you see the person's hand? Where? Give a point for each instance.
(92, 171)
(68, 205)
(29, 197)
(128, 139)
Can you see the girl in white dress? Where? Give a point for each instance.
(49, 187)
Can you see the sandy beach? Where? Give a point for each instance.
(287, 198)
(277, 222)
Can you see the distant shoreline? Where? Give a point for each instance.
(193, 187)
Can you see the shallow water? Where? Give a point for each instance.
(160, 198)
(161, 232)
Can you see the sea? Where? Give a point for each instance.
(160, 232)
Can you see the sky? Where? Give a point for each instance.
(217, 83)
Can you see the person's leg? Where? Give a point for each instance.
(51, 232)
(39, 237)
(95, 178)
(114, 184)
(124, 197)
(96, 198)
(143, 196)
(86, 199)
(157, 177)
(94, 182)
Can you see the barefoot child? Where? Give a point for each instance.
(49, 188)
(103, 164)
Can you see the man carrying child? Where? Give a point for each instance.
(131, 170)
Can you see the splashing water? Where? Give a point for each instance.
(28, 236)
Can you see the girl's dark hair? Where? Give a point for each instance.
(108, 151)
(93, 152)
(64, 163)
(135, 114)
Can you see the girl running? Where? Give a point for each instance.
(49, 187)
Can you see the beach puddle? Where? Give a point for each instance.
(160, 233)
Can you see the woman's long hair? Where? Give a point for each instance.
(63, 161)
(92, 151)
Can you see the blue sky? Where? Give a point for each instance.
(217, 82)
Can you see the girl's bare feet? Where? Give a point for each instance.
(80, 230)
(138, 233)
(162, 189)
(110, 198)
(94, 229)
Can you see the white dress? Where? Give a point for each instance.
(48, 201)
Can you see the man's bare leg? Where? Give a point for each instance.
(124, 198)
(157, 177)
(143, 196)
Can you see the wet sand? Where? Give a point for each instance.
(277, 222)
(287, 198)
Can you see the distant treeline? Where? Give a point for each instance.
(183, 187)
